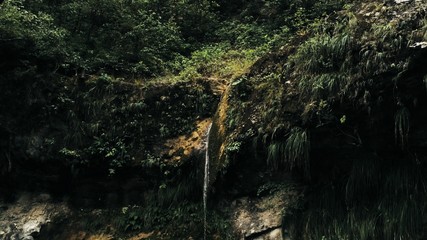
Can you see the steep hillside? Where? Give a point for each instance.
(342, 108)
(317, 112)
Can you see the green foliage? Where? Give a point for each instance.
(343, 119)
(107, 123)
(73, 158)
(250, 35)
(30, 35)
(314, 54)
(118, 36)
(31, 47)
(150, 38)
(218, 61)
(233, 147)
(196, 19)
(114, 151)
(147, 38)
(114, 36)
(375, 55)
(273, 13)
(322, 62)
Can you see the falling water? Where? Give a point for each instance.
(206, 182)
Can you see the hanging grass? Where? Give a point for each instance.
(323, 53)
(394, 208)
(323, 64)
(294, 152)
(401, 126)
(297, 149)
(276, 154)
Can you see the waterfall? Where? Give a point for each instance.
(206, 183)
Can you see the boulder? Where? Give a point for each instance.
(24, 219)
(261, 218)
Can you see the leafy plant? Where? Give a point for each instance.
(113, 150)
(233, 147)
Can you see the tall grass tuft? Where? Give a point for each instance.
(294, 152)
(323, 61)
(297, 149)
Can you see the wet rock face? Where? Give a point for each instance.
(24, 219)
(261, 218)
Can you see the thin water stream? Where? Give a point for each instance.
(206, 183)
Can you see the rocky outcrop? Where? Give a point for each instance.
(261, 218)
(25, 219)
